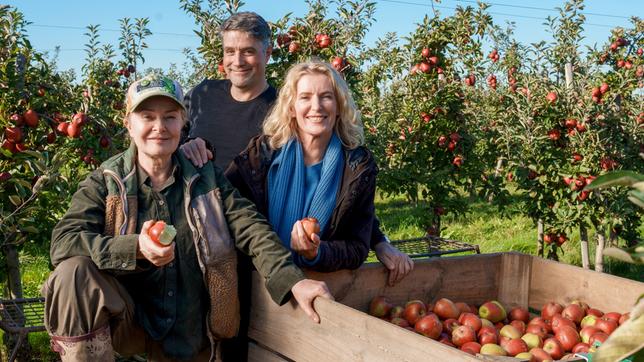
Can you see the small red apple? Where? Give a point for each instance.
(380, 307)
(554, 348)
(469, 319)
(462, 335)
(414, 310)
(31, 118)
(550, 309)
(516, 346)
(471, 347)
(567, 337)
(446, 309)
(519, 313)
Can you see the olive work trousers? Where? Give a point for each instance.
(81, 299)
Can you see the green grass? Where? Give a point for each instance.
(483, 226)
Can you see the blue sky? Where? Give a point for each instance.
(62, 23)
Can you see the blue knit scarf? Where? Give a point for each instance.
(286, 194)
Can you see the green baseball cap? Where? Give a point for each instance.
(151, 86)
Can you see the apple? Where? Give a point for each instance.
(588, 320)
(400, 322)
(492, 311)
(17, 119)
(540, 355)
(606, 325)
(4, 176)
(433, 61)
(554, 134)
(450, 324)
(457, 161)
(464, 307)
(516, 346)
(429, 326)
(510, 331)
(79, 119)
(567, 337)
(519, 325)
(492, 349)
(586, 332)
(613, 316)
(471, 347)
(550, 309)
(554, 348)
(574, 312)
(162, 233)
(294, 47)
(74, 130)
(487, 337)
(51, 137)
(559, 321)
(9, 146)
(338, 63)
(20, 147)
(446, 309)
(13, 134)
(487, 329)
(324, 41)
(444, 339)
(414, 310)
(595, 312)
(469, 319)
(600, 337)
(379, 307)
(581, 347)
(486, 323)
(520, 314)
(105, 141)
(31, 118)
(526, 356)
(425, 52)
(551, 97)
(62, 128)
(532, 340)
(462, 335)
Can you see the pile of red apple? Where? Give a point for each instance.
(490, 330)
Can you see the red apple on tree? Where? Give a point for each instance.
(31, 118)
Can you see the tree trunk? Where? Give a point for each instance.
(583, 236)
(568, 70)
(599, 252)
(14, 281)
(540, 238)
(499, 167)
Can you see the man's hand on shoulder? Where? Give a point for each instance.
(197, 151)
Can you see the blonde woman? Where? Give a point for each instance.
(310, 162)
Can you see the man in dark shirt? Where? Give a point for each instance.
(224, 114)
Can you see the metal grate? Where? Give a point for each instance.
(22, 315)
(428, 246)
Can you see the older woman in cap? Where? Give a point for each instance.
(310, 162)
(117, 287)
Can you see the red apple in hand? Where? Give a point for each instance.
(429, 326)
(311, 226)
(161, 233)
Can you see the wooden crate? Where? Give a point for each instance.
(347, 333)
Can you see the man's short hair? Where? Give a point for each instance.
(249, 22)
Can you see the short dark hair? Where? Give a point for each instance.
(249, 22)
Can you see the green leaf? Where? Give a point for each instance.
(15, 200)
(617, 178)
(30, 229)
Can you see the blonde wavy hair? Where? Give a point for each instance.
(280, 126)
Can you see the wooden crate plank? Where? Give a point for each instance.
(514, 280)
(257, 353)
(469, 279)
(344, 334)
(563, 283)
